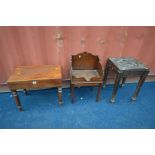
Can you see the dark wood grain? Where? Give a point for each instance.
(30, 77)
(86, 70)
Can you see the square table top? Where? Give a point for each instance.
(29, 73)
(128, 64)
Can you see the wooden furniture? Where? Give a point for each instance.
(30, 77)
(124, 67)
(86, 71)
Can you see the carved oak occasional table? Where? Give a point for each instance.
(32, 77)
(124, 67)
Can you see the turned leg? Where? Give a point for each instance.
(98, 93)
(16, 98)
(25, 91)
(117, 81)
(60, 95)
(72, 93)
(140, 83)
(123, 82)
(106, 71)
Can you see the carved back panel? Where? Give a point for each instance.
(84, 61)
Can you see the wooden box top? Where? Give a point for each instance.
(29, 73)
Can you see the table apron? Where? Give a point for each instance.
(134, 73)
(35, 84)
